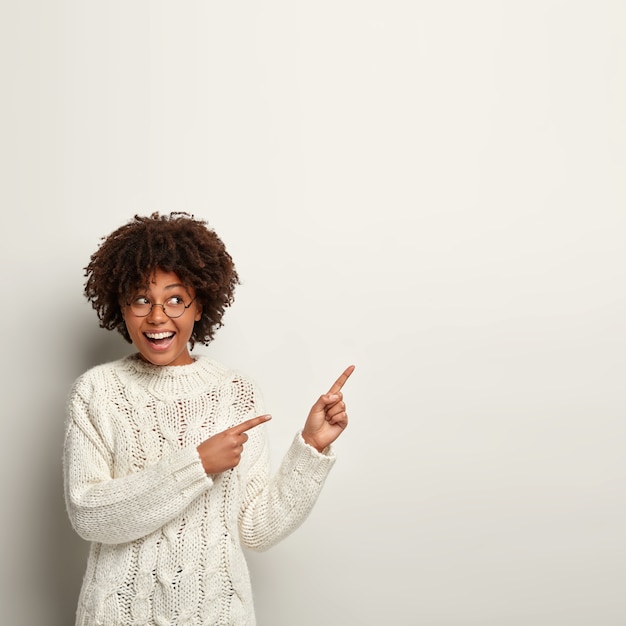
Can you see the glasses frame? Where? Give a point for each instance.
(162, 305)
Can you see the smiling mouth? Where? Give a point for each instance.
(159, 339)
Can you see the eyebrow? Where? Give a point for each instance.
(172, 286)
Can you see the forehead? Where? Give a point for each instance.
(161, 280)
(160, 277)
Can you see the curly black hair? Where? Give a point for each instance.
(128, 257)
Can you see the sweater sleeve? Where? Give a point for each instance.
(111, 509)
(274, 507)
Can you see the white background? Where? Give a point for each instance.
(433, 191)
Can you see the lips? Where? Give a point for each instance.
(161, 340)
(159, 336)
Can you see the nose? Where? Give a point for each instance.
(157, 314)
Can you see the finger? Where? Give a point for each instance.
(336, 415)
(248, 424)
(335, 409)
(324, 402)
(340, 419)
(341, 381)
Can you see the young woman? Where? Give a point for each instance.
(166, 463)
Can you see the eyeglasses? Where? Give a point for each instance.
(173, 307)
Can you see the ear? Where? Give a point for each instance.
(198, 312)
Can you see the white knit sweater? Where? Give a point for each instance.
(166, 538)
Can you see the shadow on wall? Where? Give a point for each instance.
(62, 553)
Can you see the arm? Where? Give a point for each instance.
(273, 508)
(116, 510)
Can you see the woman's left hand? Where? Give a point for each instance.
(327, 418)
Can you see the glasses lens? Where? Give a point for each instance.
(174, 307)
(140, 307)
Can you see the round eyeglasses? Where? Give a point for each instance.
(173, 307)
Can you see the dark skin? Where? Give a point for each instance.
(327, 419)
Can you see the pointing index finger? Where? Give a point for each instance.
(251, 423)
(341, 381)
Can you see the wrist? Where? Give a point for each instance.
(310, 441)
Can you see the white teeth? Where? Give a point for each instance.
(159, 335)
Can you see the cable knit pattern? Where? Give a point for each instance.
(166, 538)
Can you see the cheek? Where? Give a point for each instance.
(131, 328)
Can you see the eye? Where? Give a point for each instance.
(175, 301)
(140, 300)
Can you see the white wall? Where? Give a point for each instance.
(431, 190)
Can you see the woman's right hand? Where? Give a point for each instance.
(223, 451)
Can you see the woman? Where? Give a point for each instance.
(166, 462)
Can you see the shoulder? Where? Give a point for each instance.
(97, 375)
(106, 379)
(104, 369)
(89, 390)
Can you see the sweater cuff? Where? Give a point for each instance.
(327, 452)
(188, 472)
(305, 460)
